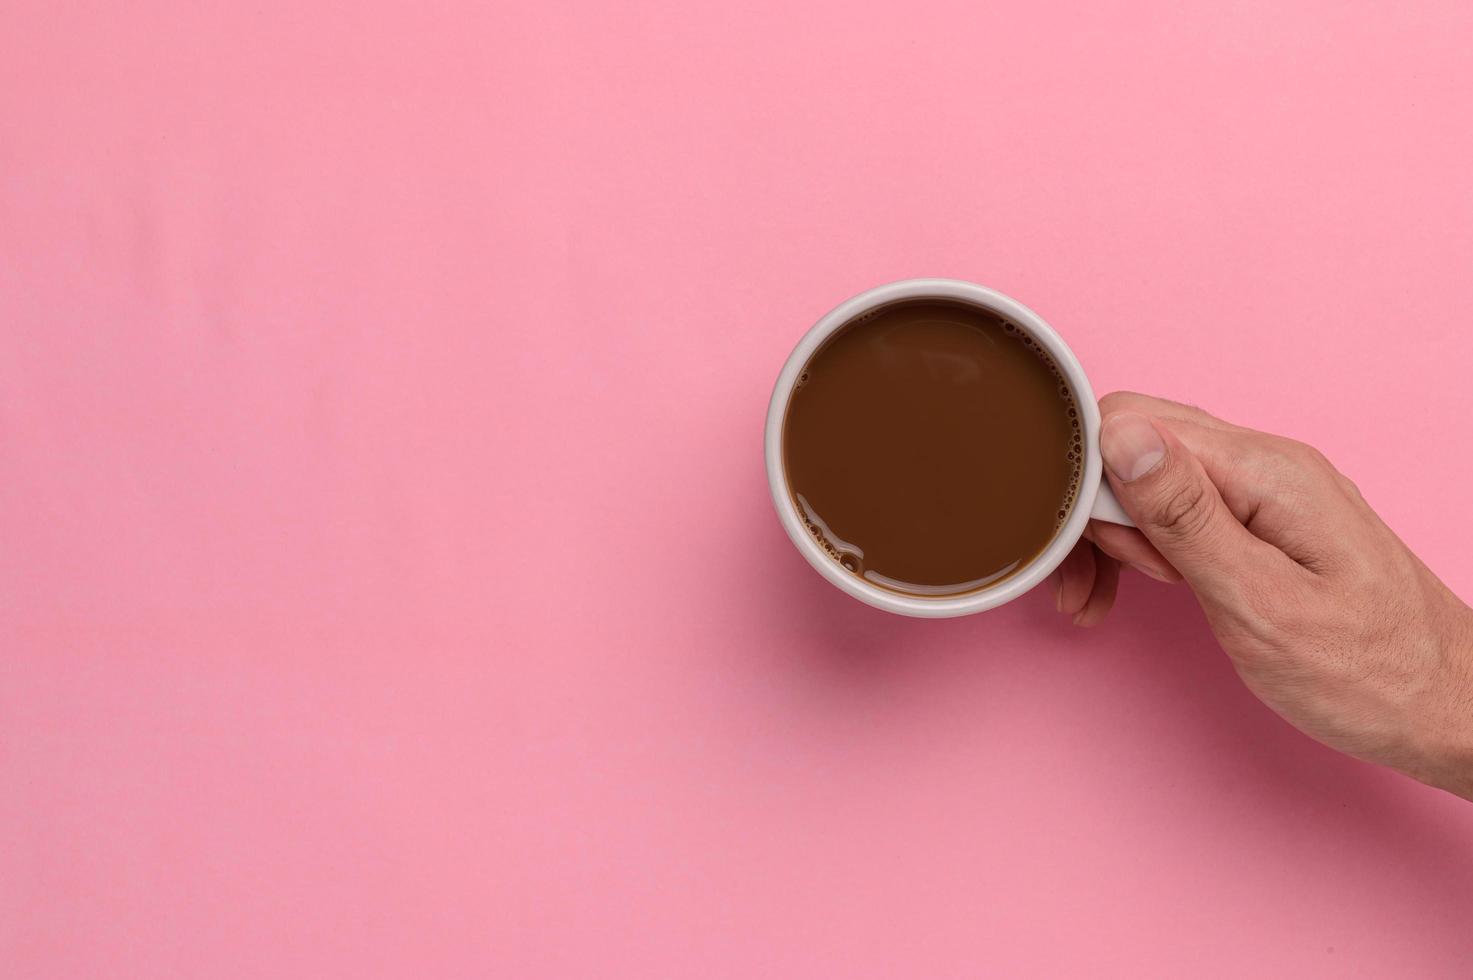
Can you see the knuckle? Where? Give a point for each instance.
(1288, 450)
(1291, 464)
(1347, 486)
(1183, 510)
(1306, 455)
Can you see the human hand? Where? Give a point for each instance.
(1329, 619)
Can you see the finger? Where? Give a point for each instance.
(1131, 547)
(1162, 408)
(1077, 578)
(1282, 491)
(1102, 596)
(1233, 456)
(1165, 489)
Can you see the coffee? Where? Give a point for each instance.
(932, 448)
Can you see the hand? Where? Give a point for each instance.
(1329, 619)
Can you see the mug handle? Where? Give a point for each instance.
(1107, 508)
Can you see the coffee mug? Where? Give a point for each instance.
(1094, 499)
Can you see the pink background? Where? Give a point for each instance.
(388, 585)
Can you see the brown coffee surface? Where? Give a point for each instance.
(932, 448)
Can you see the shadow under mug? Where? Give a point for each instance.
(1094, 499)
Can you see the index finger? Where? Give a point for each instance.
(1163, 408)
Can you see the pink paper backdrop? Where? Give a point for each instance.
(388, 586)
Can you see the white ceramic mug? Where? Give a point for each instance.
(1094, 499)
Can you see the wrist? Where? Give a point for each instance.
(1446, 750)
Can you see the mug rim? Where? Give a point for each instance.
(965, 603)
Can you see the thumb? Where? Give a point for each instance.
(1165, 490)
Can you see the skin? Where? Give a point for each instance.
(1328, 618)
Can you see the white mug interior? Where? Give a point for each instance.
(1090, 500)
